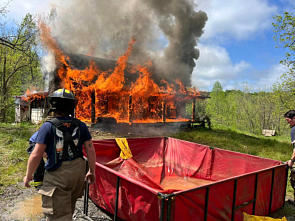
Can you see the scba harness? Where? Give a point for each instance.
(66, 139)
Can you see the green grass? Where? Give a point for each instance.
(13, 155)
(267, 147)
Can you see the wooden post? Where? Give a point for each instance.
(194, 110)
(164, 111)
(130, 109)
(93, 106)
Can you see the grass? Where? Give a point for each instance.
(13, 155)
(267, 147)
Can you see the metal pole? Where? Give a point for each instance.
(86, 193)
(255, 193)
(117, 198)
(234, 201)
(163, 198)
(271, 190)
(170, 198)
(86, 197)
(206, 204)
(162, 209)
(286, 181)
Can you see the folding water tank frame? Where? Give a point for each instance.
(172, 179)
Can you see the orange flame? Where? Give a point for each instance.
(32, 94)
(110, 94)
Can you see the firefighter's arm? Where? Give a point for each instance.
(33, 162)
(90, 176)
(292, 160)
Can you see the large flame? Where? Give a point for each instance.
(109, 94)
(33, 94)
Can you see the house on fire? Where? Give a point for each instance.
(31, 107)
(118, 107)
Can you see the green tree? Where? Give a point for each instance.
(284, 29)
(217, 105)
(19, 64)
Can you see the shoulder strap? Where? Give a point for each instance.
(56, 122)
(67, 131)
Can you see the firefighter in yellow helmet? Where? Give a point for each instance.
(62, 138)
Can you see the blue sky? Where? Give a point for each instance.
(236, 48)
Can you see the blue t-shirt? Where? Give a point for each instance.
(293, 135)
(33, 137)
(46, 136)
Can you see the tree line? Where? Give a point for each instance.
(246, 111)
(20, 66)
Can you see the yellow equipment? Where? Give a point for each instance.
(248, 217)
(125, 151)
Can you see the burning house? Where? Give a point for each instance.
(31, 107)
(127, 84)
(116, 92)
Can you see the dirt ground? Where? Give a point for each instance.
(18, 203)
(24, 204)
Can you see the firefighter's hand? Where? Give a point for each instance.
(27, 181)
(290, 163)
(90, 177)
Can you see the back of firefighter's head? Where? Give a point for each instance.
(62, 102)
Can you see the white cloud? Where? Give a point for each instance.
(236, 19)
(214, 65)
(17, 9)
(267, 78)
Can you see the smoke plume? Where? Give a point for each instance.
(166, 32)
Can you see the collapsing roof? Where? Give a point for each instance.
(31, 107)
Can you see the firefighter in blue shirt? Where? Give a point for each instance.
(290, 118)
(62, 138)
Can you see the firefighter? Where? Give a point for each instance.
(61, 138)
(290, 118)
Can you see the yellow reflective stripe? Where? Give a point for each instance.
(125, 150)
(66, 90)
(36, 183)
